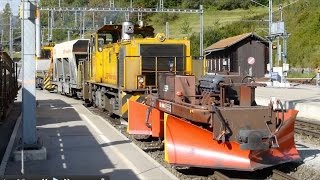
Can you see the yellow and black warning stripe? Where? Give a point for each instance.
(137, 96)
(47, 84)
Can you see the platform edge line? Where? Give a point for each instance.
(8, 151)
(163, 169)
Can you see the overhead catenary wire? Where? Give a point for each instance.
(127, 11)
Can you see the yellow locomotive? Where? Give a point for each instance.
(212, 122)
(123, 62)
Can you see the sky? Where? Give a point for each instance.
(14, 4)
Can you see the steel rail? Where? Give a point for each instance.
(220, 176)
(278, 175)
(307, 128)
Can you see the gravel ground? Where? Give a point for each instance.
(306, 169)
(309, 150)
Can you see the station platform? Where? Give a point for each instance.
(305, 99)
(81, 143)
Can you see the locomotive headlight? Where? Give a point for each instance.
(171, 65)
(140, 79)
(141, 82)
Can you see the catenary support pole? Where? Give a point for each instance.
(83, 24)
(75, 19)
(38, 33)
(1, 41)
(167, 30)
(93, 19)
(201, 31)
(270, 41)
(28, 82)
(68, 35)
(318, 78)
(51, 25)
(278, 51)
(49, 19)
(10, 36)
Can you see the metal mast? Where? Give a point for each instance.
(201, 32)
(38, 33)
(10, 36)
(285, 36)
(1, 41)
(270, 41)
(29, 64)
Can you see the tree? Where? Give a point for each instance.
(5, 23)
(185, 27)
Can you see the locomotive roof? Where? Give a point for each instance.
(146, 31)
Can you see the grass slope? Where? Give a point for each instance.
(302, 22)
(211, 17)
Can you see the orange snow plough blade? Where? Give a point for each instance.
(144, 120)
(190, 145)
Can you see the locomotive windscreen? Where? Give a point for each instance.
(158, 57)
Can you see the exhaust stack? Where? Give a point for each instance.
(127, 30)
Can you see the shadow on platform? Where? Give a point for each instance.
(293, 103)
(72, 149)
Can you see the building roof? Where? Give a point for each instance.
(228, 42)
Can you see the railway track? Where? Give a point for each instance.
(154, 148)
(302, 80)
(220, 176)
(307, 128)
(278, 175)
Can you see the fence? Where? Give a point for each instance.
(8, 83)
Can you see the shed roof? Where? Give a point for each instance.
(228, 42)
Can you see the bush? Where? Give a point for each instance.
(185, 27)
(232, 4)
(162, 18)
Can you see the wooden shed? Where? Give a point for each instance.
(232, 54)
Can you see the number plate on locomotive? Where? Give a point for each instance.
(165, 106)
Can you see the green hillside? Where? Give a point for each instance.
(211, 18)
(222, 19)
(302, 21)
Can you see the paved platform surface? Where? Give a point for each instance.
(81, 143)
(306, 99)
